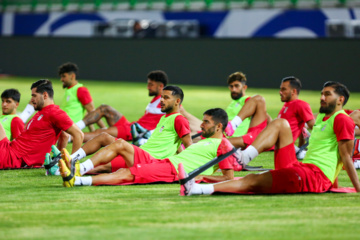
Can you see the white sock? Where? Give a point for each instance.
(28, 111)
(249, 154)
(236, 122)
(81, 124)
(296, 148)
(205, 189)
(86, 166)
(356, 127)
(83, 181)
(79, 154)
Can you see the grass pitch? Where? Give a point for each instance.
(34, 206)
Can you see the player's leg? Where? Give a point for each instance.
(121, 176)
(255, 107)
(113, 131)
(110, 114)
(277, 133)
(252, 183)
(99, 141)
(107, 154)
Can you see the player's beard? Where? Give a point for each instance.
(168, 109)
(153, 93)
(329, 108)
(39, 105)
(208, 133)
(236, 96)
(286, 98)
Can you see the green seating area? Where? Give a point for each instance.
(104, 5)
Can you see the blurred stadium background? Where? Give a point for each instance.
(195, 41)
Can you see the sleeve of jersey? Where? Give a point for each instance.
(224, 147)
(247, 99)
(17, 126)
(344, 127)
(84, 96)
(182, 127)
(305, 112)
(61, 120)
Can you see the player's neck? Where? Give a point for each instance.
(338, 108)
(73, 84)
(217, 134)
(173, 110)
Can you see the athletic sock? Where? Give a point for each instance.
(249, 154)
(79, 154)
(203, 189)
(28, 111)
(81, 124)
(86, 166)
(83, 181)
(296, 148)
(236, 122)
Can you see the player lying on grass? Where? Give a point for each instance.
(330, 147)
(119, 126)
(143, 168)
(42, 131)
(12, 123)
(248, 114)
(171, 130)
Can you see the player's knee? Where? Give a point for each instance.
(259, 99)
(120, 144)
(280, 123)
(106, 138)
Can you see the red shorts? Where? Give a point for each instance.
(8, 158)
(253, 132)
(147, 169)
(118, 163)
(124, 129)
(294, 177)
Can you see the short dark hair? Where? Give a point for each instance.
(158, 76)
(43, 85)
(68, 67)
(294, 83)
(237, 76)
(340, 89)
(11, 93)
(176, 91)
(218, 115)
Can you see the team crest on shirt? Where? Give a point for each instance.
(161, 129)
(68, 98)
(40, 117)
(323, 128)
(4, 119)
(208, 143)
(237, 104)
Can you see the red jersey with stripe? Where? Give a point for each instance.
(40, 133)
(152, 114)
(297, 113)
(17, 126)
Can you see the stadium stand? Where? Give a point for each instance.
(102, 5)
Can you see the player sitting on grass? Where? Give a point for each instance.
(119, 126)
(330, 147)
(172, 129)
(40, 133)
(248, 114)
(143, 168)
(13, 125)
(297, 112)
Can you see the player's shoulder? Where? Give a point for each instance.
(343, 119)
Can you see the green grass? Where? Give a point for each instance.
(33, 206)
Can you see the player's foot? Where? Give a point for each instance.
(139, 134)
(238, 160)
(229, 130)
(51, 166)
(185, 188)
(301, 154)
(55, 151)
(65, 155)
(67, 174)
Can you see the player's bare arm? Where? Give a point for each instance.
(89, 108)
(345, 151)
(77, 137)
